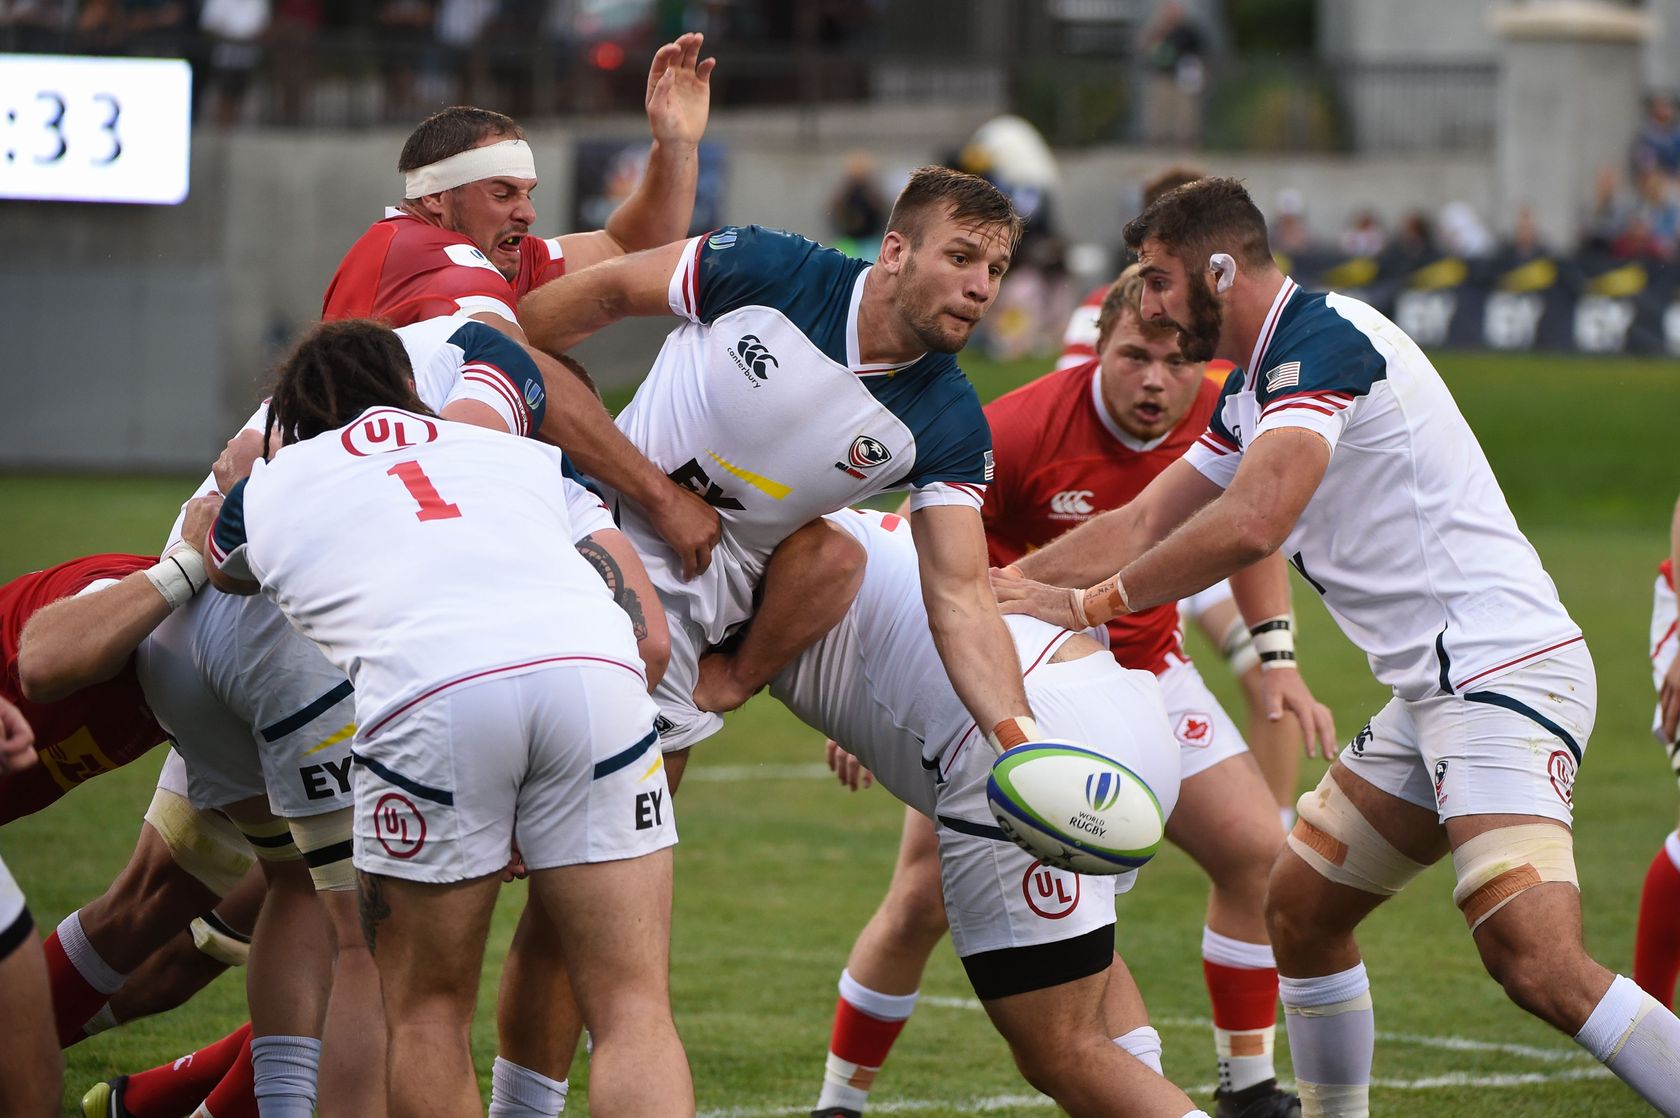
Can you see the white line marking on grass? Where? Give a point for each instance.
(728, 773)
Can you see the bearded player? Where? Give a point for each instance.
(1068, 446)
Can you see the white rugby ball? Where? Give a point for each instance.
(1075, 808)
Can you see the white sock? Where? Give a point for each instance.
(1631, 1033)
(94, 970)
(846, 1084)
(283, 1071)
(100, 1022)
(1144, 1044)
(1332, 1030)
(519, 1092)
(1245, 1055)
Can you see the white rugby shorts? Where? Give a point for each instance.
(682, 724)
(1511, 745)
(1204, 732)
(996, 894)
(16, 927)
(563, 759)
(1665, 639)
(251, 705)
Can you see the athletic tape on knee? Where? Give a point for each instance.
(203, 843)
(272, 840)
(326, 843)
(220, 942)
(1333, 838)
(1237, 646)
(1496, 867)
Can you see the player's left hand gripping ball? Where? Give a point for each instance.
(1074, 808)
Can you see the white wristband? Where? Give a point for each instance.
(178, 576)
(1274, 640)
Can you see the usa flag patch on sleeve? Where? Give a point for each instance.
(989, 466)
(1286, 375)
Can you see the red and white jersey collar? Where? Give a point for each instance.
(854, 351)
(1268, 328)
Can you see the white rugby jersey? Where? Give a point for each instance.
(419, 554)
(453, 359)
(1408, 537)
(875, 681)
(761, 403)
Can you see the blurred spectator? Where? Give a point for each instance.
(405, 31)
(37, 25)
(857, 209)
(1658, 143)
(1462, 232)
(1653, 232)
(1525, 243)
(1174, 48)
(1610, 212)
(1289, 234)
(460, 31)
(235, 29)
(1414, 240)
(294, 37)
(157, 27)
(1364, 236)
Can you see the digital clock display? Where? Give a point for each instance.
(76, 129)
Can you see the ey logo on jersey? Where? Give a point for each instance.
(866, 453)
(1071, 504)
(754, 358)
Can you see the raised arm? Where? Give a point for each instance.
(967, 628)
(564, 312)
(80, 641)
(659, 210)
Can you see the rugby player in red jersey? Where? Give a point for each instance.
(1074, 443)
(1656, 950)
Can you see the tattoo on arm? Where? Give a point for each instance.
(370, 894)
(613, 575)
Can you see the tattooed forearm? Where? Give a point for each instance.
(371, 901)
(613, 575)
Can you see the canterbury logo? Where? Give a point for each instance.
(1072, 502)
(756, 356)
(1101, 790)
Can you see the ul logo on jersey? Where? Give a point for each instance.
(384, 430)
(1071, 504)
(755, 356)
(1050, 892)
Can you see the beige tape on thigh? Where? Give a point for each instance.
(219, 945)
(1495, 867)
(1333, 838)
(272, 840)
(326, 844)
(203, 843)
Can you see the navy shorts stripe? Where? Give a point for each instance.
(414, 787)
(626, 757)
(308, 714)
(978, 830)
(1493, 698)
(1444, 660)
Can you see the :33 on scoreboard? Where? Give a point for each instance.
(75, 129)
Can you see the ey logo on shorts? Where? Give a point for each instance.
(1050, 892)
(650, 809)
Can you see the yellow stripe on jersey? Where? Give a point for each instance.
(658, 759)
(332, 741)
(775, 489)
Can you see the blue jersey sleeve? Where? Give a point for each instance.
(953, 440)
(497, 367)
(227, 536)
(1318, 355)
(747, 265)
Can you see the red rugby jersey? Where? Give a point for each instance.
(95, 730)
(1059, 462)
(405, 270)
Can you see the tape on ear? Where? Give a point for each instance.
(1225, 269)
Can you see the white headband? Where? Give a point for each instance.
(509, 159)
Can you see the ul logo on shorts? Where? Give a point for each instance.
(1561, 767)
(1194, 729)
(1050, 892)
(398, 825)
(1440, 780)
(1360, 741)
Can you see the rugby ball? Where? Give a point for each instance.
(1074, 808)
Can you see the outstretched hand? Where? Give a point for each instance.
(679, 91)
(1283, 689)
(1017, 594)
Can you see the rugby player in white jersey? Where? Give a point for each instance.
(1037, 942)
(800, 381)
(31, 1067)
(512, 706)
(1337, 441)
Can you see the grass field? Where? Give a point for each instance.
(777, 868)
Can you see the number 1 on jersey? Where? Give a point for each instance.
(420, 487)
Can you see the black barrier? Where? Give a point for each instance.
(1572, 304)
